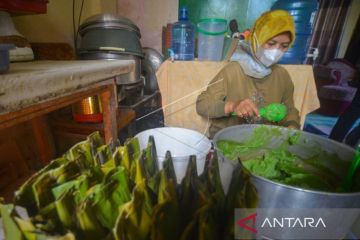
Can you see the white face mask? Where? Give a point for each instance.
(269, 57)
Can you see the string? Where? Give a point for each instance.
(176, 101)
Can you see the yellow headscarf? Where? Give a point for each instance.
(270, 24)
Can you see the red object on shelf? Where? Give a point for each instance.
(88, 118)
(24, 6)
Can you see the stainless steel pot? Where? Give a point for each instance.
(133, 77)
(277, 195)
(108, 21)
(149, 65)
(109, 32)
(154, 57)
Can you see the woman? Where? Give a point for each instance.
(254, 80)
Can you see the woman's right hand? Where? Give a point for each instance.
(243, 108)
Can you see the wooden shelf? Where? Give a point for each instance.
(8, 192)
(65, 123)
(31, 90)
(18, 7)
(67, 132)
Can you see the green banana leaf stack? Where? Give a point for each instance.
(112, 192)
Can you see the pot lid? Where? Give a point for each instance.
(108, 20)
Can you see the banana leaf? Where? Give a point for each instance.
(95, 141)
(117, 156)
(166, 215)
(153, 183)
(149, 165)
(208, 225)
(133, 147)
(112, 194)
(104, 155)
(80, 184)
(25, 195)
(57, 172)
(50, 218)
(168, 167)
(149, 159)
(121, 157)
(15, 227)
(167, 189)
(106, 158)
(165, 222)
(26, 227)
(66, 172)
(80, 150)
(211, 179)
(134, 221)
(114, 144)
(31, 233)
(241, 194)
(42, 190)
(89, 226)
(86, 150)
(137, 173)
(189, 197)
(66, 207)
(202, 226)
(193, 194)
(44, 236)
(11, 229)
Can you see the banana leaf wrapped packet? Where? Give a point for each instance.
(98, 191)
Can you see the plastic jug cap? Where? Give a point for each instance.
(183, 14)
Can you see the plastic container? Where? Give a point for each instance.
(5, 57)
(183, 37)
(182, 143)
(211, 38)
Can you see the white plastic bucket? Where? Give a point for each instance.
(211, 38)
(182, 143)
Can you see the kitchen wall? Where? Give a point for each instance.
(150, 16)
(57, 24)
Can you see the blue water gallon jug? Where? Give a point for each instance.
(183, 37)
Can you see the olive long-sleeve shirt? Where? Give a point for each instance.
(232, 84)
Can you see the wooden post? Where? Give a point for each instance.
(110, 110)
(43, 138)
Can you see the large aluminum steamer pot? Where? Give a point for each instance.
(276, 195)
(110, 32)
(130, 78)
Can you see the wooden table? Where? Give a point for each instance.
(31, 89)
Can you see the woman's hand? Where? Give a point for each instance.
(244, 108)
